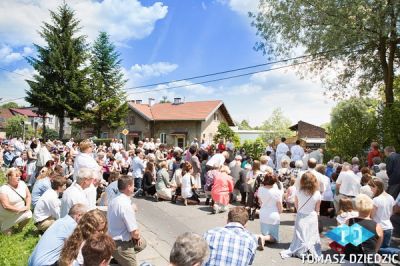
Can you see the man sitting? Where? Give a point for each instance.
(48, 250)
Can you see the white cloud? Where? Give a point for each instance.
(122, 19)
(300, 99)
(203, 5)
(242, 7)
(138, 74)
(8, 55)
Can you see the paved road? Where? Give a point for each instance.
(162, 222)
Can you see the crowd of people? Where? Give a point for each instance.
(81, 198)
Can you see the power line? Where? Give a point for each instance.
(11, 100)
(225, 78)
(230, 71)
(15, 73)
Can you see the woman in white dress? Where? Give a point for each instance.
(270, 199)
(188, 193)
(306, 238)
(15, 202)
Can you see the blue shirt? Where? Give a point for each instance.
(230, 245)
(39, 188)
(48, 250)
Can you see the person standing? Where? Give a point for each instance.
(43, 156)
(393, 171)
(297, 151)
(373, 152)
(232, 244)
(85, 158)
(137, 170)
(281, 151)
(123, 227)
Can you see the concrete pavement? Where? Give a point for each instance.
(162, 222)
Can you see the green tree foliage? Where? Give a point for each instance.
(254, 149)
(244, 125)
(106, 84)
(388, 125)
(60, 86)
(165, 100)
(9, 105)
(353, 127)
(277, 126)
(362, 36)
(14, 127)
(225, 132)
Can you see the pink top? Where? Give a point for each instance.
(222, 186)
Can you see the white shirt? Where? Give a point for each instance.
(281, 150)
(121, 218)
(382, 174)
(269, 198)
(230, 146)
(216, 160)
(384, 204)
(186, 186)
(47, 205)
(350, 183)
(367, 191)
(72, 195)
(297, 152)
(85, 160)
(91, 195)
(43, 156)
(307, 203)
(327, 194)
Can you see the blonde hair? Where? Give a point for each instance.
(364, 204)
(225, 169)
(11, 171)
(88, 225)
(308, 183)
(163, 164)
(44, 172)
(263, 159)
(84, 145)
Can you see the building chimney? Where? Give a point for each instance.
(177, 100)
(138, 101)
(151, 101)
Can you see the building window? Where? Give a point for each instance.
(131, 120)
(215, 116)
(50, 120)
(163, 138)
(180, 142)
(104, 135)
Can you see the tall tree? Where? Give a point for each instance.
(60, 86)
(244, 125)
(360, 36)
(106, 84)
(9, 105)
(277, 125)
(353, 127)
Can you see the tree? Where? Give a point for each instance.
(165, 100)
(255, 149)
(244, 125)
(361, 36)
(353, 127)
(60, 87)
(9, 105)
(106, 84)
(15, 127)
(225, 132)
(277, 125)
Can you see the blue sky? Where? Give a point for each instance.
(169, 40)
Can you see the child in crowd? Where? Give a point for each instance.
(346, 211)
(290, 195)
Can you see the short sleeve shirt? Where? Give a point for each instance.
(121, 218)
(384, 204)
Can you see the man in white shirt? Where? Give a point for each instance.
(85, 159)
(347, 184)
(137, 169)
(43, 155)
(318, 155)
(75, 193)
(321, 178)
(281, 150)
(70, 143)
(297, 151)
(123, 227)
(47, 209)
(146, 146)
(217, 160)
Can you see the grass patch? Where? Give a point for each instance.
(16, 249)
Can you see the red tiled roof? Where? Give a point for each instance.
(4, 115)
(24, 111)
(200, 110)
